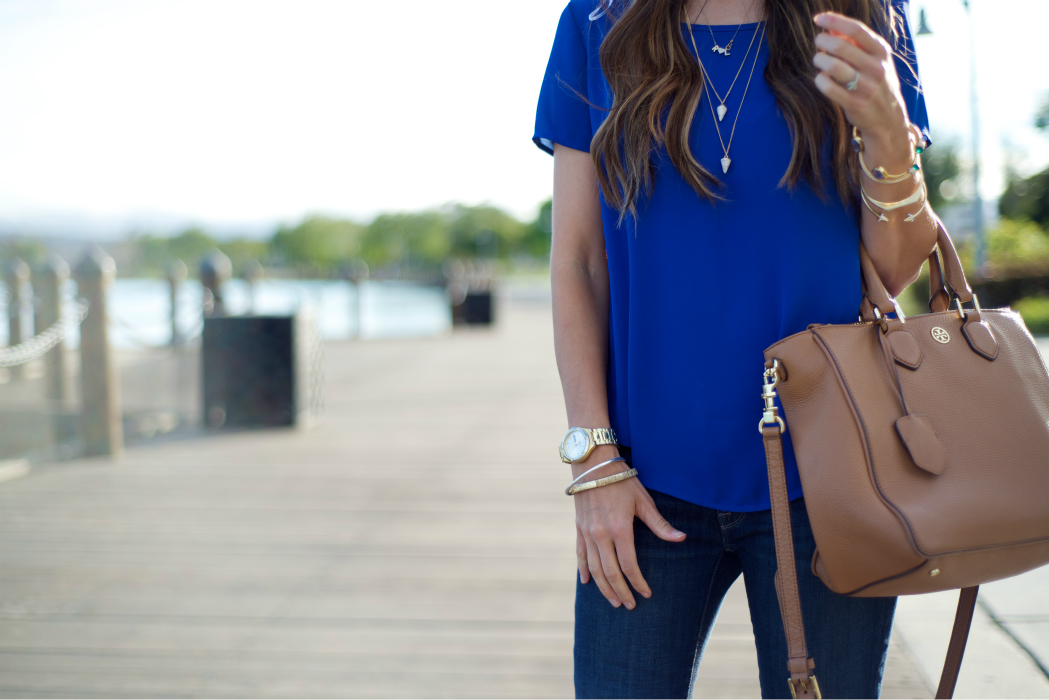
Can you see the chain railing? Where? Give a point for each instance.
(38, 346)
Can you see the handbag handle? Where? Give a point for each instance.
(939, 297)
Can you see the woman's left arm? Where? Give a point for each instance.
(849, 52)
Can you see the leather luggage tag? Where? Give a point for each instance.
(926, 450)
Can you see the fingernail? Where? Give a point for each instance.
(615, 603)
(818, 19)
(677, 533)
(630, 606)
(647, 594)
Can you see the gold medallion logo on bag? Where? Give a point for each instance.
(940, 335)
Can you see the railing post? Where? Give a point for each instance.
(16, 276)
(253, 272)
(357, 273)
(215, 270)
(177, 271)
(48, 280)
(101, 425)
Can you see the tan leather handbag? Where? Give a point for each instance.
(923, 449)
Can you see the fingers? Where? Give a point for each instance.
(858, 32)
(580, 553)
(845, 50)
(836, 68)
(834, 90)
(627, 556)
(610, 568)
(593, 562)
(646, 510)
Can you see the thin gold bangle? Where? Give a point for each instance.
(890, 206)
(603, 481)
(592, 470)
(881, 215)
(879, 174)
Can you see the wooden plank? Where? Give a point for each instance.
(414, 544)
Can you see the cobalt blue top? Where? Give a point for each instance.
(699, 290)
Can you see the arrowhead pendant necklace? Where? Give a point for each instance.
(722, 109)
(726, 161)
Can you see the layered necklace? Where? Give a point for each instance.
(722, 109)
(728, 47)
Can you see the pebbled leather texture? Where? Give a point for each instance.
(923, 446)
(920, 439)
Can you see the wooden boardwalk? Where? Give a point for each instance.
(414, 544)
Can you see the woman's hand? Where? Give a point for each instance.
(850, 53)
(605, 531)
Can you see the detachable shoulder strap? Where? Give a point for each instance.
(802, 678)
(963, 620)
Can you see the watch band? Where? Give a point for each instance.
(602, 436)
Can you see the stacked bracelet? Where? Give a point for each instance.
(918, 196)
(879, 174)
(594, 469)
(604, 481)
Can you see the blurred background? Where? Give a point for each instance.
(277, 393)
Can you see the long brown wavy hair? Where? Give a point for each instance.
(657, 84)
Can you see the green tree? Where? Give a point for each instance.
(319, 242)
(1018, 249)
(422, 237)
(484, 231)
(242, 251)
(152, 254)
(941, 168)
(31, 252)
(1026, 198)
(536, 240)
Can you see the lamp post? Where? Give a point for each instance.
(978, 230)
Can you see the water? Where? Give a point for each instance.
(140, 309)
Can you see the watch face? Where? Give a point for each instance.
(575, 444)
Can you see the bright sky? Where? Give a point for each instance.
(239, 114)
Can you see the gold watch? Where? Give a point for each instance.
(578, 443)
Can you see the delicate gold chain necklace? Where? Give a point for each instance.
(726, 161)
(728, 46)
(722, 109)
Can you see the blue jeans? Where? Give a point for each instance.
(649, 652)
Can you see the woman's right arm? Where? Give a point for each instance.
(579, 280)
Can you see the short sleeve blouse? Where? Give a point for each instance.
(698, 290)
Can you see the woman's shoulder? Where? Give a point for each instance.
(587, 14)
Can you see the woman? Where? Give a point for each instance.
(708, 202)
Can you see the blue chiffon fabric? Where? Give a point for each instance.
(699, 290)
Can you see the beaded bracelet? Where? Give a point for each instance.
(879, 174)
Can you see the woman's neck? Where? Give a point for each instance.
(726, 11)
